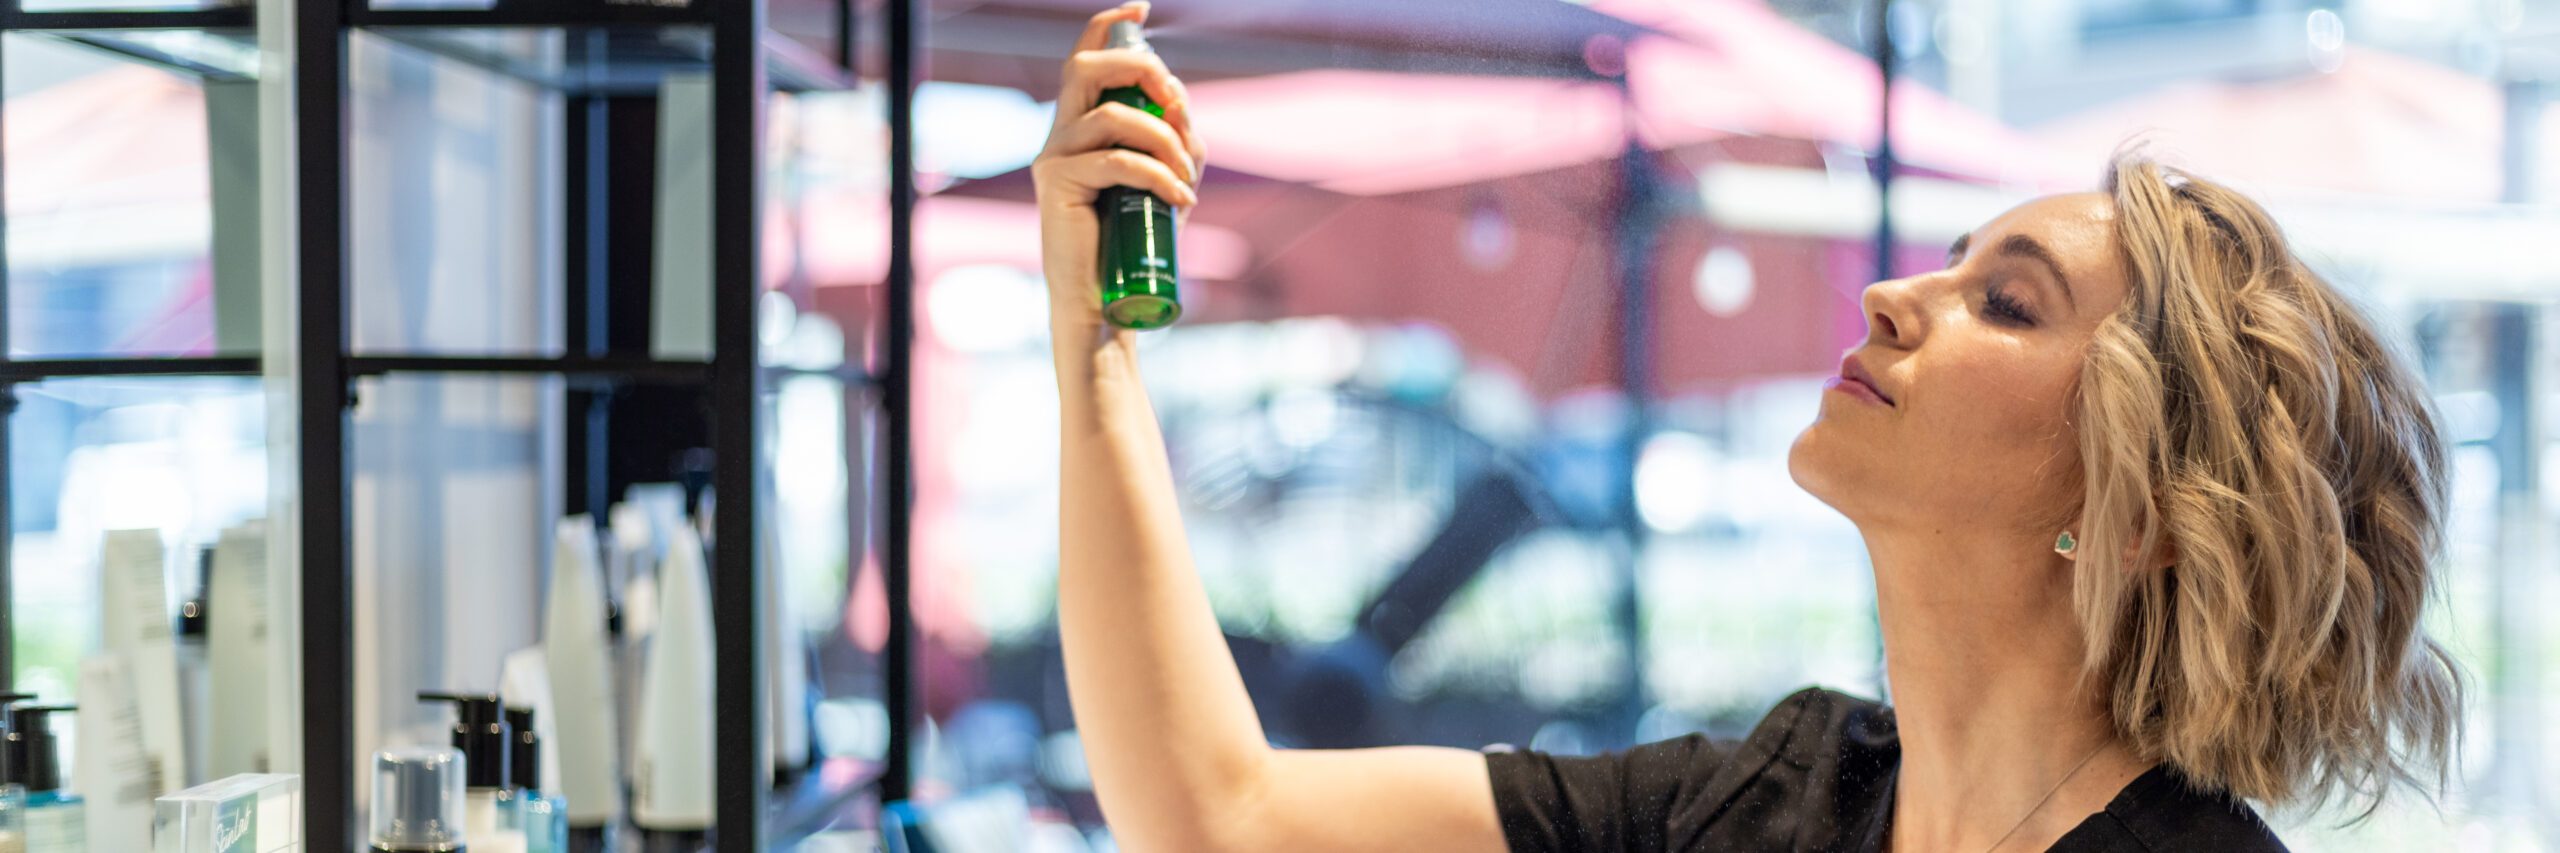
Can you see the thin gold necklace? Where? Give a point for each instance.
(2048, 794)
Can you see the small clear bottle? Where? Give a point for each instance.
(418, 801)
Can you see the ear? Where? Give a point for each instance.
(2167, 557)
(2168, 554)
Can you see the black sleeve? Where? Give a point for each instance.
(1619, 801)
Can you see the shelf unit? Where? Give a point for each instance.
(612, 51)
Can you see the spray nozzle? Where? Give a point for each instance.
(1127, 34)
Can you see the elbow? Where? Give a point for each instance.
(1208, 832)
(1230, 819)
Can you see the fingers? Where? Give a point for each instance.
(1090, 72)
(1114, 124)
(1178, 116)
(1089, 173)
(1097, 30)
(1095, 145)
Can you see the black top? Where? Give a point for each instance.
(1816, 774)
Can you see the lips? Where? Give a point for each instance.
(1854, 371)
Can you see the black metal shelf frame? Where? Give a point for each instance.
(25, 370)
(14, 17)
(746, 62)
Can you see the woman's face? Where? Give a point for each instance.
(1974, 367)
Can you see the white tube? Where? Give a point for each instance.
(580, 658)
(134, 567)
(235, 640)
(674, 746)
(786, 664)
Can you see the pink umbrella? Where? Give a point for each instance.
(1386, 180)
(1719, 69)
(1378, 133)
(1735, 66)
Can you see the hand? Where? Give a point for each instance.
(1092, 148)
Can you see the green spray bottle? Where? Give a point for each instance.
(1137, 254)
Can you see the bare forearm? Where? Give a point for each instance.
(1168, 730)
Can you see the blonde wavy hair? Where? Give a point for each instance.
(2242, 424)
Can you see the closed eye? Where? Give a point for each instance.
(2006, 309)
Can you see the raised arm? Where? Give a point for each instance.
(1178, 757)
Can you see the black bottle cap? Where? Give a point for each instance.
(480, 731)
(31, 756)
(8, 763)
(525, 759)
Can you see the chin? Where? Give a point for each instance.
(1810, 464)
(1836, 469)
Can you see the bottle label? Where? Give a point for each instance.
(1138, 241)
(1137, 203)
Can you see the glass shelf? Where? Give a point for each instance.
(225, 53)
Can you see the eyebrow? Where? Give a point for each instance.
(2023, 246)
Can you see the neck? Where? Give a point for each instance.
(1983, 657)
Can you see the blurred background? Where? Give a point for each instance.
(1502, 314)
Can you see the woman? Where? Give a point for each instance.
(2149, 508)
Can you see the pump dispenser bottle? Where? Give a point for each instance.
(1137, 252)
(542, 818)
(418, 801)
(55, 819)
(480, 732)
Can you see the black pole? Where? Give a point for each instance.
(1882, 164)
(321, 395)
(846, 52)
(737, 98)
(588, 210)
(899, 320)
(1634, 249)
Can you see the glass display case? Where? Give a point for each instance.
(410, 297)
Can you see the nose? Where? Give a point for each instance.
(1891, 320)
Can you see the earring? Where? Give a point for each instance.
(2064, 545)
